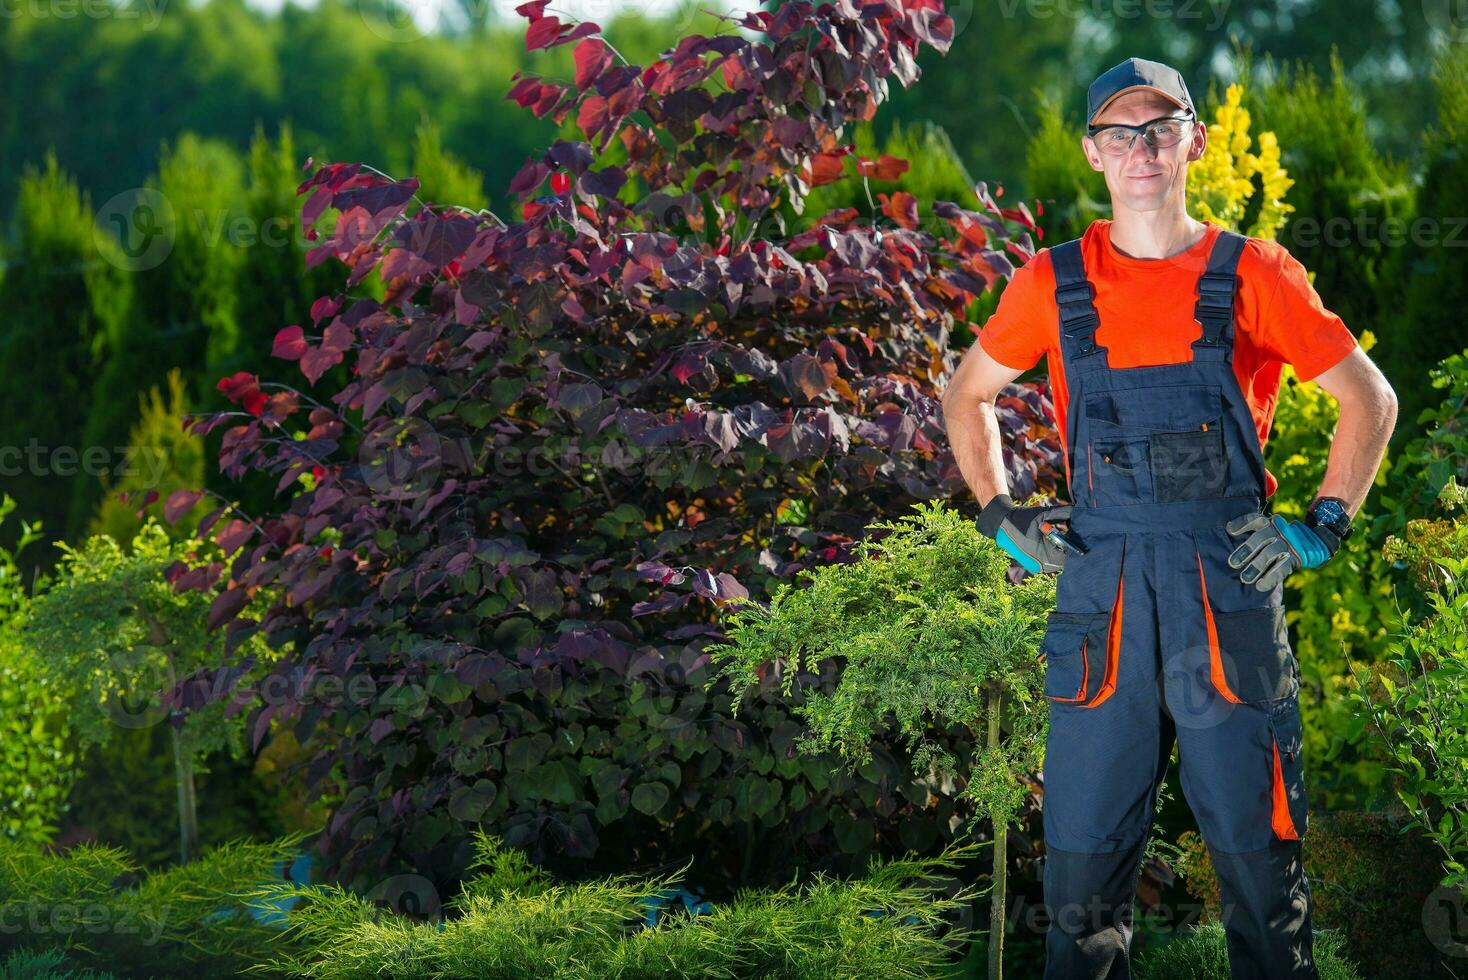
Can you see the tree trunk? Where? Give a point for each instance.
(1001, 834)
(188, 811)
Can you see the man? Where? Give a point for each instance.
(1165, 338)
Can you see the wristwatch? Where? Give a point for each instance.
(1330, 514)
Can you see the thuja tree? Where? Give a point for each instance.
(518, 484)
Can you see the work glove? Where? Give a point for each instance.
(1019, 531)
(1273, 547)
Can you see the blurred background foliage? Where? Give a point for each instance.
(212, 109)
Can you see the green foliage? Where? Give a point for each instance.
(1056, 172)
(165, 458)
(1367, 881)
(60, 295)
(35, 753)
(90, 904)
(1345, 195)
(113, 634)
(1433, 465)
(1339, 610)
(1428, 323)
(184, 258)
(927, 625)
(513, 923)
(442, 177)
(113, 638)
(1417, 703)
(49, 964)
(124, 794)
(1202, 954)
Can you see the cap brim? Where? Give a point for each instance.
(1136, 88)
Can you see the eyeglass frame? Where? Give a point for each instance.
(1138, 130)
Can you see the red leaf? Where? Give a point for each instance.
(316, 361)
(529, 178)
(901, 207)
(290, 343)
(262, 725)
(179, 503)
(238, 386)
(324, 307)
(592, 116)
(232, 535)
(533, 10)
(884, 168)
(542, 32)
(592, 58)
(826, 168)
(526, 91)
(226, 606)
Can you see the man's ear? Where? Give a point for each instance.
(1199, 141)
(1092, 157)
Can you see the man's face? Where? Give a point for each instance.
(1145, 178)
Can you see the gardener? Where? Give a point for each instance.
(1165, 338)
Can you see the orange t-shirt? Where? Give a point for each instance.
(1145, 308)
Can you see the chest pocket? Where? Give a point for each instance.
(1157, 444)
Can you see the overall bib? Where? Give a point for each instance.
(1154, 638)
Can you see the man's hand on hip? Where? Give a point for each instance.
(1018, 531)
(1273, 547)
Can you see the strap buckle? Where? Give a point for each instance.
(1216, 291)
(1078, 292)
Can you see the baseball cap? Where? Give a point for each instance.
(1135, 73)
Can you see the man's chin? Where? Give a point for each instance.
(1143, 203)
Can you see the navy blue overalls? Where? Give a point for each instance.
(1155, 638)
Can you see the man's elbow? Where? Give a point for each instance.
(1379, 394)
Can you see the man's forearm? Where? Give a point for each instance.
(973, 433)
(1357, 448)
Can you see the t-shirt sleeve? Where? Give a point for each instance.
(1298, 329)
(1015, 333)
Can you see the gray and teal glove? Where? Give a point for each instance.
(1274, 547)
(1018, 531)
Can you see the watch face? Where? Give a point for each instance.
(1329, 512)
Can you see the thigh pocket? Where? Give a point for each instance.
(1074, 651)
(1289, 808)
(1253, 654)
(1190, 465)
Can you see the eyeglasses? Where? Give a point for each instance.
(1116, 139)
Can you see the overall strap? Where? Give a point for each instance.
(1078, 318)
(1214, 310)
